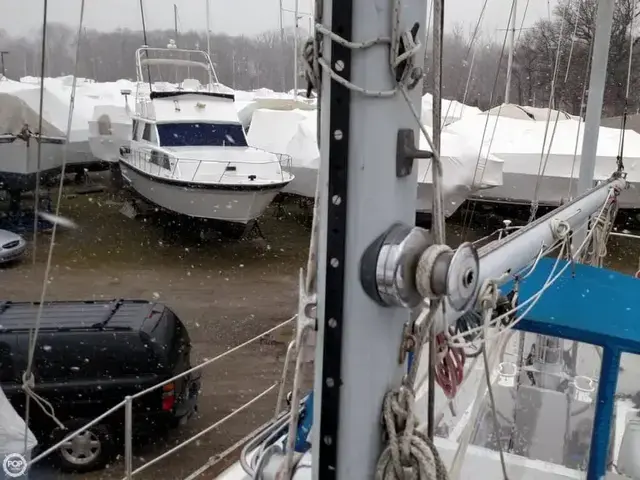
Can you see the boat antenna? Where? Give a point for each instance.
(208, 32)
(2, 54)
(175, 22)
(144, 25)
(36, 197)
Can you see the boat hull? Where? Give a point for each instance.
(20, 163)
(228, 203)
(553, 190)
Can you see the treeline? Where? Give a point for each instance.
(473, 71)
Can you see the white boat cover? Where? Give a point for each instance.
(294, 133)
(521, 143)
(520, 112)
(305, 158)
(247, 108)
(451, 110)
(12, 430)
(464, 172)
(20, 104)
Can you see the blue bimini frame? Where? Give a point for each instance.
(596, 306)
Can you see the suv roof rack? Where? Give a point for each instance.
(115, 304)
(116, 314)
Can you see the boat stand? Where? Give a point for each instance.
(252, 230)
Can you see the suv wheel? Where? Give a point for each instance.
(89, 450)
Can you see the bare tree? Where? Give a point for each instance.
(570, 32)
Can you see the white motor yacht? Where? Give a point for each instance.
(188, 152)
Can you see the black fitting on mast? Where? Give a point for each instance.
(406, 152)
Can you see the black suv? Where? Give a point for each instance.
(88, 357)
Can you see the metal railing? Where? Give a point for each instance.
(163, 163)
(127, 404)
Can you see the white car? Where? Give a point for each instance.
(12, 246)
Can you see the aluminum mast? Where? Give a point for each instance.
(366, 226)
(357, 359)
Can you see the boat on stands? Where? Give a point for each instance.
(188, 152)
(22, 158)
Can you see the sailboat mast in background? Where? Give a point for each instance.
(512, 46)
(296, 16)
(175, 22)
(208, 30)
(596, 85)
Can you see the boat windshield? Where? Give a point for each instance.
(199, 134)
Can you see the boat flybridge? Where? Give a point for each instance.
(189, 154)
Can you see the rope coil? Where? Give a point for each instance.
(410, 454)
(403, 50)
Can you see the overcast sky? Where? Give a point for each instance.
(234, 17)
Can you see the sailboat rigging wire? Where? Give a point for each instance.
(542, 167)
(470, 49)
(464, 438)
(573, 41)
(437, 206)
(468, 209)
(205, 431)
(28, 381)
(626, 96)
(583, 106)
(524, 15)
(490, 301)
(36, 198)
(144, 24)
